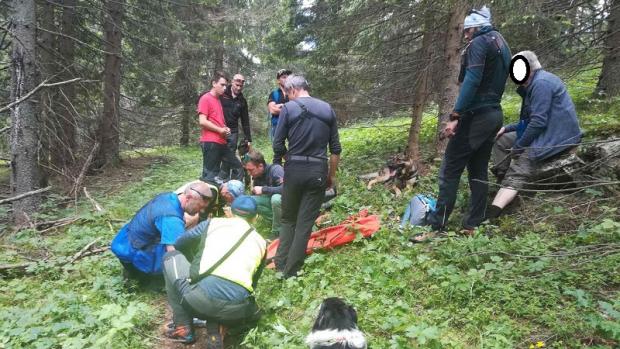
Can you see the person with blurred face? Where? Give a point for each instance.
(235, 109)
(214, 133)
(267, 189)
(141, 243)
(276, 100)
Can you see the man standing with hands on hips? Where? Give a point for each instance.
(309, 124)
(214, 133)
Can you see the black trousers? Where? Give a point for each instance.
(470, 147)
(213, 156)
(302, 196)
(226, 172)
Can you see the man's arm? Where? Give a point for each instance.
(190, 239)
(476, 56)
(210, 126)
(170, 228)
(540, 105)
(335, 149)
(279, 148)
(276, 173)
(274, 108)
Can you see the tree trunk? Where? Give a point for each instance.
(47, 64)
(62, 152)
(185, 120)
(452, 58)
(609, 80)
(421, 92)
(109, 124)
(25, 170)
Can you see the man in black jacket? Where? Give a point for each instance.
(235, 108)
(309, 124)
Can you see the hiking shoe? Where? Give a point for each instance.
(183, 334)
(196, 322)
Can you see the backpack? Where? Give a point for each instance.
(417, 210)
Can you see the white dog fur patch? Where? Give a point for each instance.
(354, 338)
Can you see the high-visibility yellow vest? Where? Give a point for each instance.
(241, 265)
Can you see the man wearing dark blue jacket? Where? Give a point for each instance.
(547, 128)
(476, 118)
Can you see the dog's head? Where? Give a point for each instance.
(336, 327)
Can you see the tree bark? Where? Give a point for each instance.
(609, 81)
(47, 64)
(109, 125)
(25, 172)
(421, 91)
(65, 145)
(452, 58)
(185, 120)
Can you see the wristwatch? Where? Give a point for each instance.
(454, 116)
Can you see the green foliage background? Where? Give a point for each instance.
(510, 285)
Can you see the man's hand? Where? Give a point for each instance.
(225, 132)
(450, 129)
(500, 133)
(257, 190)
(249, 146)
(170, 248)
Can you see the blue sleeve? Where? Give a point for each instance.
(279, 148)
(476, 56)
(170, 227)
(191, 238)
(510, 127)
(540, 104)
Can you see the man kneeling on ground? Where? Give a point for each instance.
(214, 271)
(547, 127)
(267, 188)
(141, 243)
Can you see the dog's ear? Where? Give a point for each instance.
(353, 314)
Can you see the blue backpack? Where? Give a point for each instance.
(417, 210)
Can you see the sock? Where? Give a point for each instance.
(494, 212)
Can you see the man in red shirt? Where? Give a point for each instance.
(214, 132)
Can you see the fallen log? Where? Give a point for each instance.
(25, 195)
(18, 269)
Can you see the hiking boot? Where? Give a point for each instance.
(215, 336)
(183, 334)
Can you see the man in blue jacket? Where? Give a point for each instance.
(547, 127)
(141, 243)
(476, 118)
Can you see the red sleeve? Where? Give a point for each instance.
(203, 105)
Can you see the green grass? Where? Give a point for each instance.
(539, 275)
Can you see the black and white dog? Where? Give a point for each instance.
(336, 327)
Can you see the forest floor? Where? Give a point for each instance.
(546, 275)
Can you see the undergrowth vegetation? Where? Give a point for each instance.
(546, 275)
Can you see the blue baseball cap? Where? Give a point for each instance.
(244, 206)
(235, 188)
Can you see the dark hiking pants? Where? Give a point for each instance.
(226, 171)
(470, 147)
(191, 300)
(302, 196)
(213, 156)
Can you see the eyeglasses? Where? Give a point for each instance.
(203, 196)
(241, 81)
(472, 11)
